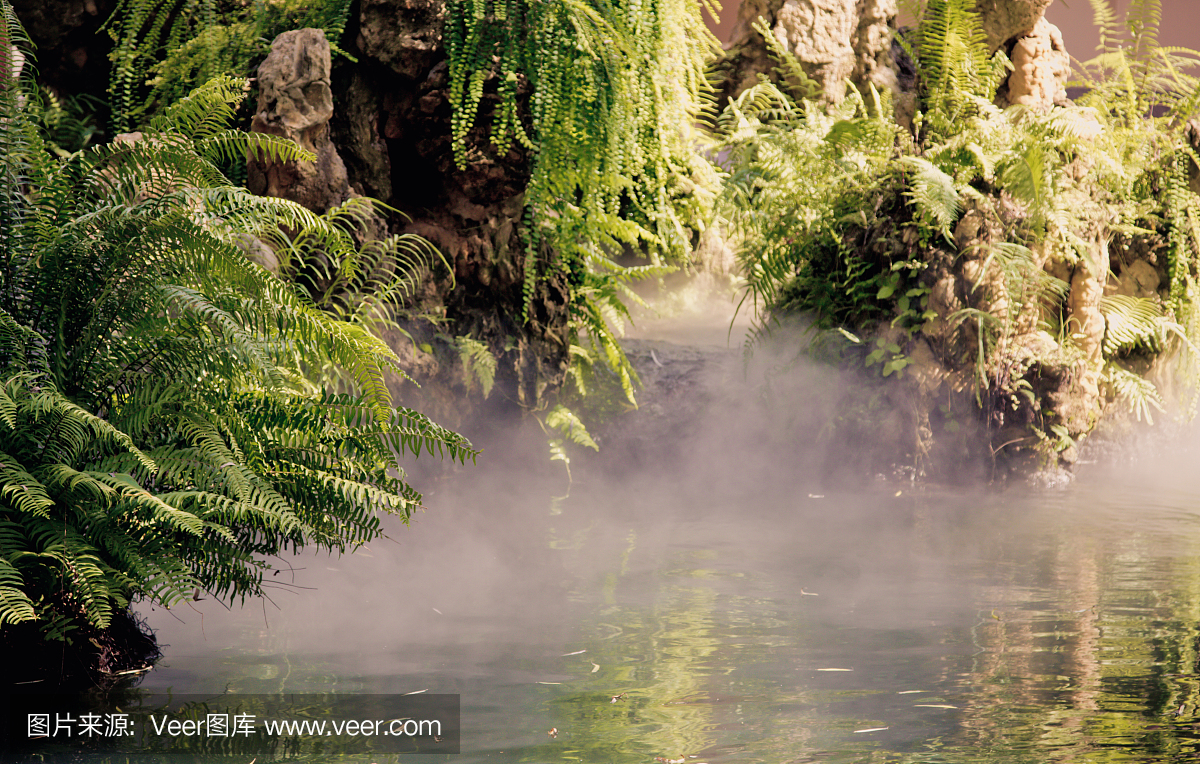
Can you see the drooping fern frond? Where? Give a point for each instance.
(1135, 391)
(934, 193)
(1130, 322)
(478, 363)
(600, 97)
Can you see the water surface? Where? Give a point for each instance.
(726, 603)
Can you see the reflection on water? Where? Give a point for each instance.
(728, 610)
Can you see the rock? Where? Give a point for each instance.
(405, 35)
(71, 52)
(872, 45)
(1137, 279)
(1191, 131)
(295, 102)
(834, 40)
(1087, 325)
(258, 251)
(1006, 20)
(1041, 66)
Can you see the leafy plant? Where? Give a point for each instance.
(601, 94)
(160, 432)
(165, 48)
(843, 218)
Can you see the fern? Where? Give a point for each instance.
(1135, 391)
(934, 194)
(163, 49)
(958, 75)
(614, 90)
(163, 422)
(478, 363)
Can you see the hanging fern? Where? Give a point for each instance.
(614, 87)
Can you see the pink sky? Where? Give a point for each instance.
(1180, 23)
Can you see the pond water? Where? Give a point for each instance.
(725, 603)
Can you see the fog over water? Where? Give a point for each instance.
(715, 578)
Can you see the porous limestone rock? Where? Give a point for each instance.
(295, 102)
(1137, 279)
(405, 35)
(834, 40)
(1007, 20)
(1041, 66)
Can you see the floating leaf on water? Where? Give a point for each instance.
(680, 760)
(933, 705)
(549, 682)
(808, 594)
(899, 492)
(577, 652)
(595, 667)
(438, 611)
(834, 669)
(873, 729)
(910, 692)
(553, 732)
(816, 496)
(417, 692)
(615, 698)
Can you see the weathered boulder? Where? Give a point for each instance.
(1041, 66)
(1007, 20)
(295, 102)
(1137, 279)
(834, 40)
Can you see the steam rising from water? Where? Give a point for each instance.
(710, 568)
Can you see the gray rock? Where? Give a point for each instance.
(1005, 21)
(295, 102)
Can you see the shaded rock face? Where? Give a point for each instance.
(72, 54)
(834, 40)
(381, 128)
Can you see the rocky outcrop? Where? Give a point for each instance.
(1005, 21)
(1041, 66)
(852, 40)
(834, 40)
(295, 102)
(389, 138)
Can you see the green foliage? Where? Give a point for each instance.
(1133, 78)
(601, 94)
(165, 48)
(160, 431)
(959, 76)
(358, 283)
(478, 363)
(843, 218)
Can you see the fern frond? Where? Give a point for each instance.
(933, 193)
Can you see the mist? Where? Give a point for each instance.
(712, 577)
